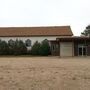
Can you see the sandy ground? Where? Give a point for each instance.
(44, 73)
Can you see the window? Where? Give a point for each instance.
(28, 42)
(11, 42)
(53, 47)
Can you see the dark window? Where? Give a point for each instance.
(11, 42)
(53, 47)
(28, 42)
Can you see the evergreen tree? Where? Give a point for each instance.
(4, 49)
(19, 48)
(35, 48)
(45, 48)
(11, 45)
(86, 32)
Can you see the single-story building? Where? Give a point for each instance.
(61, 39)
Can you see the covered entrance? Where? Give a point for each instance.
(74, 46)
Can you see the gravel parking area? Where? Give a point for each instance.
(44, 73)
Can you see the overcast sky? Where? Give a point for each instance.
(75, 13)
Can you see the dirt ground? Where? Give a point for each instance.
(44, 73)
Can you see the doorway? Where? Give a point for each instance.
(82, 50)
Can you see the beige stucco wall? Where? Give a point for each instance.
(33, 39)
(66, 49)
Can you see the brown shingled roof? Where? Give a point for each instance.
(36, 31)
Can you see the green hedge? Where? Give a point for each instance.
(42, 48)
(14, 48)
(18, 47)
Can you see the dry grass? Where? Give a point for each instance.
(44, 73)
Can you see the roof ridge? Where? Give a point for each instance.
(33, 26)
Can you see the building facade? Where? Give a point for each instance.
(61, 39)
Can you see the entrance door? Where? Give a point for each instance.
(82, 50)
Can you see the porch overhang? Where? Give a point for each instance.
(73, 39)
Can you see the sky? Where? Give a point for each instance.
(75, 13)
